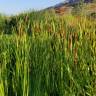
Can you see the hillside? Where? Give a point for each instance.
(68, 7)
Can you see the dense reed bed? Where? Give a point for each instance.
(48, 55)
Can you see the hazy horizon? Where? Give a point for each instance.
(12, 7)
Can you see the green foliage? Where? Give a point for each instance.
(48, 55)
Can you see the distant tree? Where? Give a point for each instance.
(94, 1)
(2, 24)
(78, 7)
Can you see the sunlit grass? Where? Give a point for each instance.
(54, 56)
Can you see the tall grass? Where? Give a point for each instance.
(48, 55)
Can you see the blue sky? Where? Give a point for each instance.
(11, 7)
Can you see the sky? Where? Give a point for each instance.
(11, 7)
